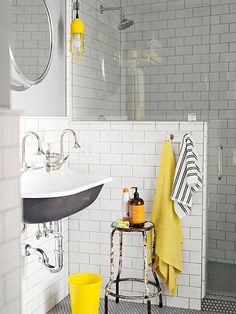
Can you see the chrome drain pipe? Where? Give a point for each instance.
(58, 252)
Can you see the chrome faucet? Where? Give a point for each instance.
(56, 160)
(76, 144)
(24, 165)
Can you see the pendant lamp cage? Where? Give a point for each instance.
(76, 33)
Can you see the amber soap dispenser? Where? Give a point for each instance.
(136, 210)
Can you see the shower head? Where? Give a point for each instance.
(124, 23)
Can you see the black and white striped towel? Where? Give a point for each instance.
(188, 177)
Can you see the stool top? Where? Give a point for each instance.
(148, 225)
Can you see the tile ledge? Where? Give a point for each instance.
(10, 112)
(45, 117)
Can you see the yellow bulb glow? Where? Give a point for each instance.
(77, 39)
(77, 46)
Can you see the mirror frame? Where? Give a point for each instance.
(19, 82)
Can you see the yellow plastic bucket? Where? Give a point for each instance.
(85, 292)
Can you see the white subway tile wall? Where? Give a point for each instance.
(179, 57)
(183, 51)
(42, 290)
(130, 160)
(193, 70)
(222, 201)
(96, 77)
(167, 49)
(10, 215)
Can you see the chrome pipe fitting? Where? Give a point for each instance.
(58, 251)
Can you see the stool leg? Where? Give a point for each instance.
(145, 255)
(106, 304)
(108, 286)
(160, 301)
(159, 287)
(120, 266)
(112, 257)
(117, 289)
(145, 263)
(149, 306)
(153, 271)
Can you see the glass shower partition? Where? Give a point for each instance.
(222, 205)
(222, 151)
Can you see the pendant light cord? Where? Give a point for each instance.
(77, 8)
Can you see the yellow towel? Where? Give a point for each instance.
(168, 260)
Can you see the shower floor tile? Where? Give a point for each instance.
(125, 308)
(221, 279)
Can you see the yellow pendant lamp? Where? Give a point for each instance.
(76, 34)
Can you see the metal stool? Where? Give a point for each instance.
(147, 295)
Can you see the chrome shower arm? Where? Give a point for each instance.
(102, 9)
(124, 23)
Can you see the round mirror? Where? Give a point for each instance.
(31, 42)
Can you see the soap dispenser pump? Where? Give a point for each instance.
(136, 210)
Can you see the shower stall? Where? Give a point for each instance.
(221, 226)
(179, 60)
(176, 61)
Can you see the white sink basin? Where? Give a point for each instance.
(63, 182)
(57, 194)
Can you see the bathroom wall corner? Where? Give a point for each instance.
(10, 214)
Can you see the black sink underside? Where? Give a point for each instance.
(40, 210)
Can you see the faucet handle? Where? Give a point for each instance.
(40, 151)
(77, 145)
(65, 159)
(24, 167)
